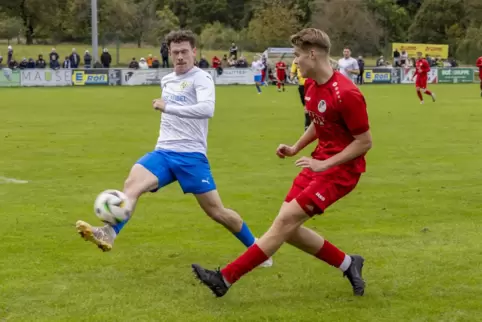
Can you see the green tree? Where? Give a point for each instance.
(273, 25)
(217, 36)
(348, 23)
(392, 18)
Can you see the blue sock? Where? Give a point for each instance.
(245, 235)
(119, 226)
(258, 88)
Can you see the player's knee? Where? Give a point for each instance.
(285, 223)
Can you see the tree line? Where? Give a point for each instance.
(367, 26)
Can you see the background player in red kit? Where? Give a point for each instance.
(421, 72)
(340, 123)
(479, 64)
(281, 75)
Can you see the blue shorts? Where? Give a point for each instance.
(257, 79)
(191, 169)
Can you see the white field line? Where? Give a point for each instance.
(12, 180)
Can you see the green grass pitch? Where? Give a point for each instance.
(415, 215)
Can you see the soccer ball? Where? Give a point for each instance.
(111, 206)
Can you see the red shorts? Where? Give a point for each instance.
(421, 82)
(316, 191)
(281, 76)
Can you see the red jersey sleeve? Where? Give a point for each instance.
(425, 66)
(479, 62)
(354, 112)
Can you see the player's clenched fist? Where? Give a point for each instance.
(158, 104)
(285, 151)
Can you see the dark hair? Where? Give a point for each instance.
(178, 36)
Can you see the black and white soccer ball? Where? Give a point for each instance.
(112, 207)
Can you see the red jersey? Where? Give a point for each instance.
(479, 64)
(281, 67)
(216, 62)
(422, 67)
(338, 112)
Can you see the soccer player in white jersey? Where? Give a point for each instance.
(257, 66)
(348, 65)
(187, 104)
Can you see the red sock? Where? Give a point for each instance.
(419, 94)
(330, 254)
(427, 92)
(245, 263)
(279, 85)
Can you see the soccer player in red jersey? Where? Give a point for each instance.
(479, 64)
(421, 70)
(281, 75)
(340, 124)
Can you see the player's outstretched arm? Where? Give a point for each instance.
(289, 151)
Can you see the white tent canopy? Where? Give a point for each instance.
(273, 53)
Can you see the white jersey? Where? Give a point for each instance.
(257, 66)
(346, 64)
(190, 99)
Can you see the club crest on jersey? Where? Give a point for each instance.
(322, 106)
(184, 85)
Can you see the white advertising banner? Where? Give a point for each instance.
(46, 77)
(230, 76)
(407, 74)
(135, 77)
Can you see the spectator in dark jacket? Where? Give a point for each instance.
(31, 63)
(53, 56)
(87, 60)
(40, 63)
(134, 64)
(55, 64)
(23, 64)
(13, 64)
(74, 59)
(156, 63)
(67, 64)
(106, 58)
(1, 62)
(203, 63)
(361, 68)
(165, 55)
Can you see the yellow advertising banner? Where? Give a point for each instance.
(436, 51)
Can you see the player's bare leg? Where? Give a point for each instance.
(212, 205)
(429, 93)
(287, 227)
(139, 181)
(481, 88)
(419, 94)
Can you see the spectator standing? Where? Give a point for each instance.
(396, 57)
(74, 59)
(233, 51)
(106, 58)
(40, 63)
(361, 68)
(165, 55)
(87, 59)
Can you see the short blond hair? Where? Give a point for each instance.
(311, 37)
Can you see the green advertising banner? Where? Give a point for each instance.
(9, 78)
(455, 75)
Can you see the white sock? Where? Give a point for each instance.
(226, 282)
(345, 264)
